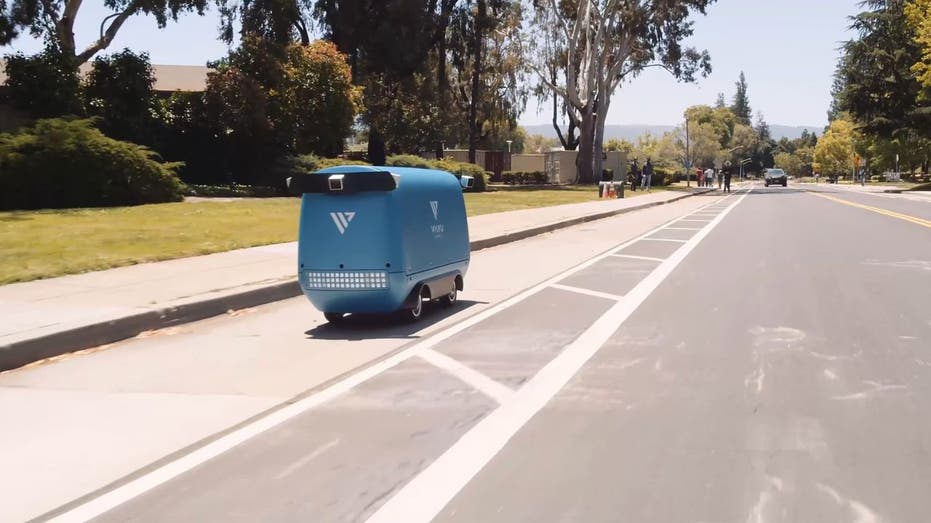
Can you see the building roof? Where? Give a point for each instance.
(168, 78)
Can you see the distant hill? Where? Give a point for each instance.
(631, 132)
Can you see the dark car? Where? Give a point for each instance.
(775, 177)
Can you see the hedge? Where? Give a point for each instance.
(409, 160)
(61, 163)
(310, 163)
(524, 177)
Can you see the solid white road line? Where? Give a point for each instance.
(666, 240)
(589, 292)
(493, 389)
(425, 496)
(124, 493)
(134, 488)
(634, 257)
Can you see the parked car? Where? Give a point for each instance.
(775, 177)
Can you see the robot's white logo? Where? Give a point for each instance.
(436, 228)
(342, 219)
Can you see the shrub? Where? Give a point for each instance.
(43, 85)
(233, 191)
(307, 163)
(466, 169)
(524, 177)
(61, 163)
(408, 160)
(660, 178)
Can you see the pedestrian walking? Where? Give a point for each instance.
(701, 178)
(647, 175)
(727, 179)
(709, 175)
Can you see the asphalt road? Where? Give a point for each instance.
(764, 358)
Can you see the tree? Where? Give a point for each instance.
(486, 77)
(549, 50)
(876, 84)
(721, 102)
(391, 46)
(537, 143)
(721, 120)
(119, 89)
(319, 102)
(790, 163)
(834, 153)
(744, 144)
(704, 145)
(269, 101)
(43, 85)
(619, 145)
(608, 42)
(279, 21)
(918, 14)
(741, 105)
(54, 21)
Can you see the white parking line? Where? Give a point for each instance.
(425, 496)
(482, 383)
(634, 257)
(666, 240)
(589, 292)
(142, 484)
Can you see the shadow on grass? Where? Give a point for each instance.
(357, 327)
(16, 217)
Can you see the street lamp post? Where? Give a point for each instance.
(743, 162)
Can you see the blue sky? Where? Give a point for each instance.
(787, 48)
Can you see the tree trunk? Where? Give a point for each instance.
(586, 146)
(442, 76)
(376, 150)
(598, 144)
(477, 44)
(443, 98)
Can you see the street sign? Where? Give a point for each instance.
(856, 161)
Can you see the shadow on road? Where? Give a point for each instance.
(371, 326)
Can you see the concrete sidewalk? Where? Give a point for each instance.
(47, 318)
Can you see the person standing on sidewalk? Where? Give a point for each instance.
(647, 175)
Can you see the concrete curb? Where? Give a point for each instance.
(24, 352)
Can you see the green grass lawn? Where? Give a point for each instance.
(44, 244)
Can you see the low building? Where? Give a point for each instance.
(168, 79)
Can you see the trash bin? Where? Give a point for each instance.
(381, 239)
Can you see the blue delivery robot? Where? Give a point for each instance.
(381, 239)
